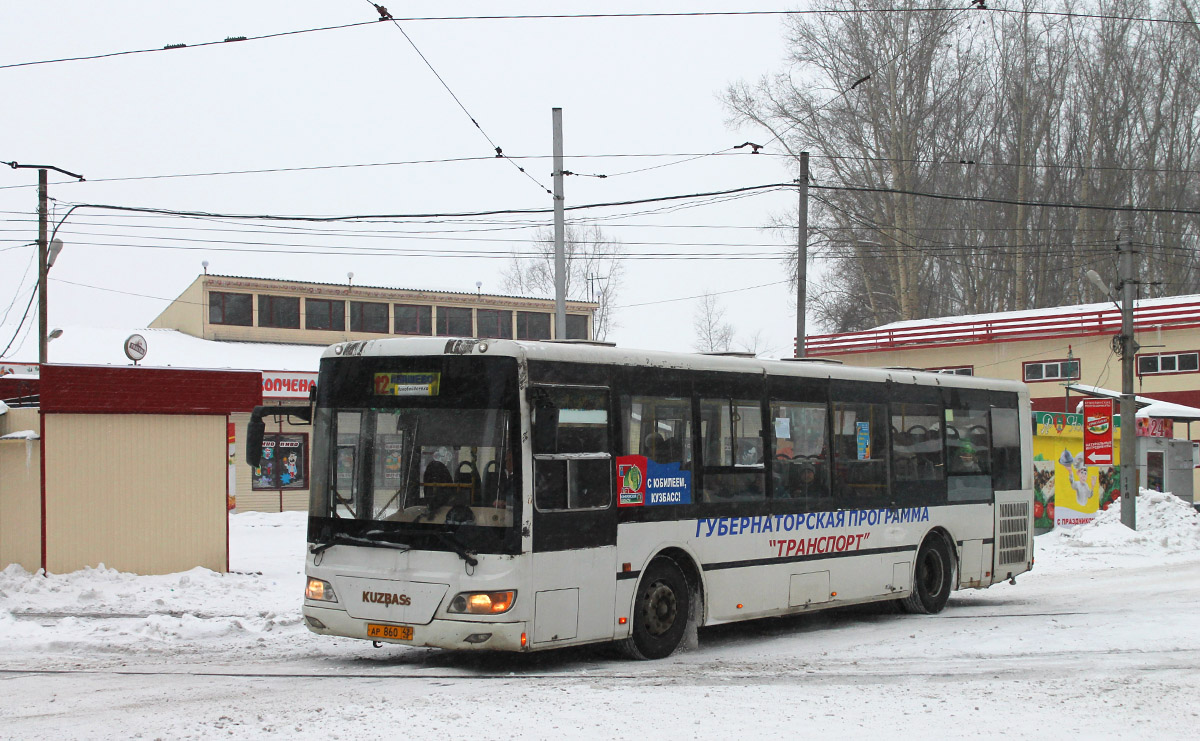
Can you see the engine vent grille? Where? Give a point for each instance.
(1013, 543)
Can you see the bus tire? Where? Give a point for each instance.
(661, 608)
(933, 578)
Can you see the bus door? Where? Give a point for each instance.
(1011, 454)
(574, 518)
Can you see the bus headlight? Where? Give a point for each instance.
(482, 603)
(320, 591)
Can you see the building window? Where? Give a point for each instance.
(533, 325)
(368, 317)
(1181, 362)
(453, 322)
(411, 319)
(322, 314)
(495, 323)
(956, 370)
(1054, 370)
(284, 463)
(230, 308)
(278, 311)
(577, 327)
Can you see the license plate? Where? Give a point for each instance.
(391, 632)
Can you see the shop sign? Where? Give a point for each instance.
(287, 384)
(1155, 427)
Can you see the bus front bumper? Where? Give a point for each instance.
(439, 633)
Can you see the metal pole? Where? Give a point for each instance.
(1129, 441)
(43, 251)
(802, 256)
(560, 258)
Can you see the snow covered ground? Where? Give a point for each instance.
(1100, 641)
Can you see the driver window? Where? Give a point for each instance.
(571, 454)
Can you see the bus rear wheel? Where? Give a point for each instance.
(660, 611)
(933, 578)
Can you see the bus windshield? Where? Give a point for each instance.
(408, 470)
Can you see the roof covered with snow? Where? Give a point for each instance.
(167, 348)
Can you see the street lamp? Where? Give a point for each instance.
(1128, 350)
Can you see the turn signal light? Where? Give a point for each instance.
(482, 603)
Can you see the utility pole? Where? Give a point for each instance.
(45, 254)
(1129, 348)
(802, 256)
(560, 258)
(43, 268)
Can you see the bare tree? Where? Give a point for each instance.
(594, 271)
(713, 333)
(1018, 109)
(756, 344)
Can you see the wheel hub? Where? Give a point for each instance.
(661, 608)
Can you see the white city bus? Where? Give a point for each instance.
(507, 495)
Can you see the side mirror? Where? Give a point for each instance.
(255, 429)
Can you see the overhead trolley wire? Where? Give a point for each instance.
(731, 192)
(590, 16)
(384, 15)
(174, 47)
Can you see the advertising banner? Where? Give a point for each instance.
(1097, 432)
(1067, 491)
(642, 482)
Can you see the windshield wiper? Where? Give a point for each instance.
(454, 543)
(354, 540)
(457, 546)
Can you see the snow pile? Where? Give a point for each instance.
(1166, 525)
(261, 594)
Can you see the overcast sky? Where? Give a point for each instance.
(362, 95)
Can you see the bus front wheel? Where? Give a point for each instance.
(660, 611)
(933, 578)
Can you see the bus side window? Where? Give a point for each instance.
(572, 463)
(659, 428)
(860, 455)
(733, 449)
(916, 455)
(968, 452)
(801, 468)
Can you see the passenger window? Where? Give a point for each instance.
(916, 443)
(660, 428)
(732, 432)
(860, 454)
(572, 461)
(801, 468)
(968, 452)
(656, 463)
